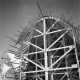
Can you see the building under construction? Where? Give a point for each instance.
(49, 50)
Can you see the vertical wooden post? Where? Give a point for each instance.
(45, 52)
(66, 59)
(36, 61)
(21, 61)
(76, 56)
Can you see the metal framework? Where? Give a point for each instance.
(49, 50)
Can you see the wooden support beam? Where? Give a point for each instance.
(10, 38)
(34, 63)
(51, 26)
(32, 45)
(63, 68)
(17, 35)
(14, 46)
(57, 40)
(11, 51)
(19, 31)
(77, 59)
(61, 57)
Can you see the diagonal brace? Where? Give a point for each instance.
(33, 45)
(34, 63)
(51, 27)
(57, 40)
(61, 57)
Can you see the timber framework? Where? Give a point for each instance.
(49, 50)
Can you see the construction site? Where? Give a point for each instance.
(48, 48)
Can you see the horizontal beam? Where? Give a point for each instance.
(63, 68)
(49, 33)
(49, 50)
(56, 31)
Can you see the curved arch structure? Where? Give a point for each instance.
(49, 51)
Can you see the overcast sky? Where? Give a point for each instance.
(15, 13)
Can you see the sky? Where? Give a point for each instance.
(15, 13)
